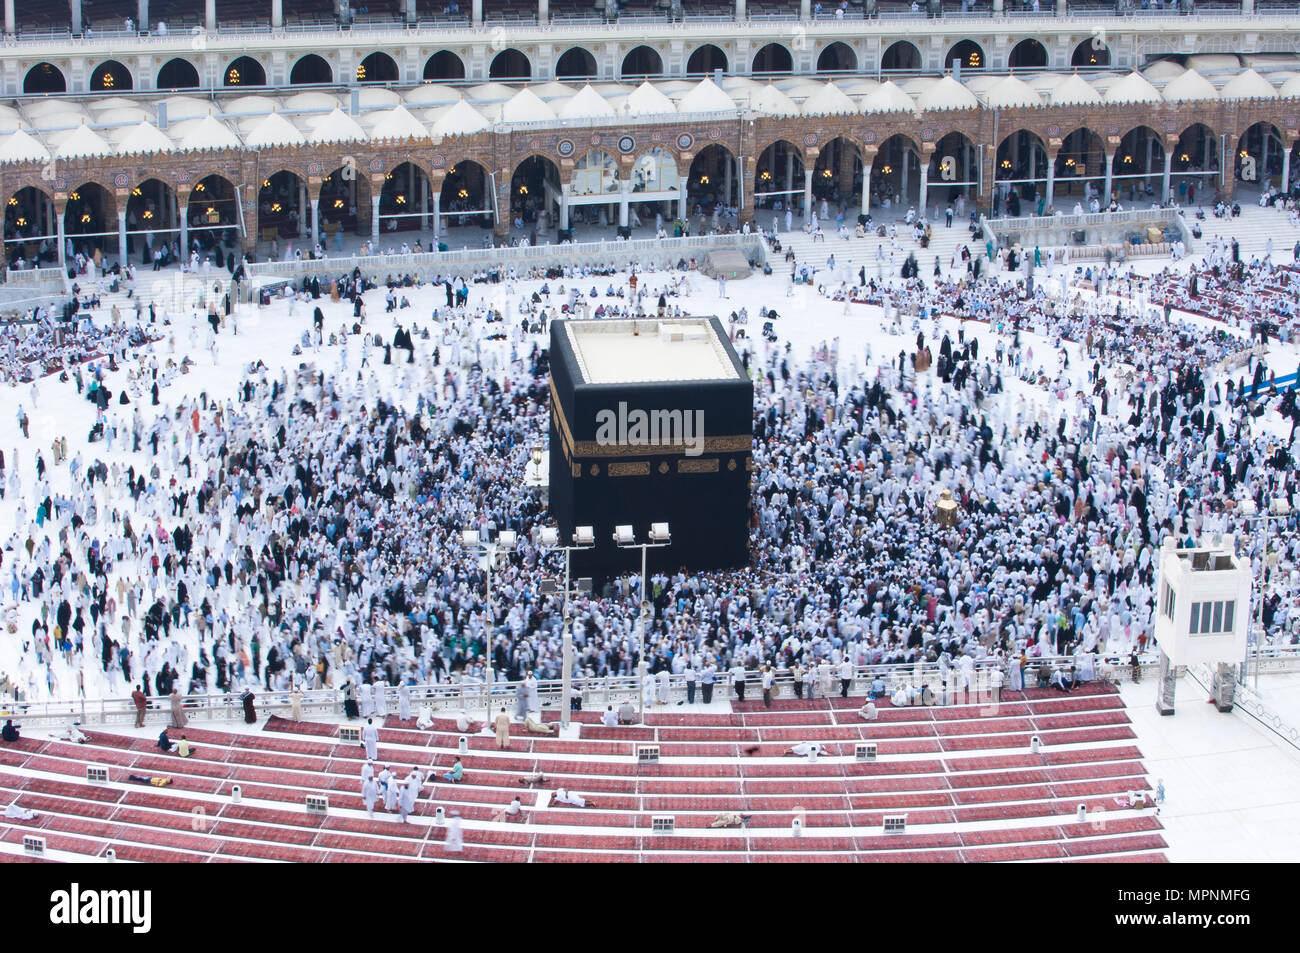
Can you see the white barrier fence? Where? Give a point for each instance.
(645, 251)
(473, 698)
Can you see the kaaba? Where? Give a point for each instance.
(651, 422)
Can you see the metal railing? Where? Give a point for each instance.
(603, 252)
(1245, 699)
(473, 697)
(983, 21)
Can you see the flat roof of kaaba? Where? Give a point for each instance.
(625, 351)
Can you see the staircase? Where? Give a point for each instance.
(1252, 229)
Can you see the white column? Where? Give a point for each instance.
(63, 240)
(1062, 8)
(624, 187)
(866, 187)
(925, 189)
(11, 25)
(807, 195)
(740, 10)
(1247, 7)
(424, 204)
(185, 232)
(544, 17)
(997, 6)
(477, 12)
(374, 216)
(210, 15)
(1110, 168)
(566, 674)
(121, 236)
(805, 9)
(277, 14)
(142, 11)
(315, 222)
(564, 206)
(1286, 169)
(681, 197)
(1051, 184)
(76, 16)
(436, 201)
(411, 14)
(1164, 180)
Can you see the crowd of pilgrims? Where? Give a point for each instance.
(305, 531)
(32, 349)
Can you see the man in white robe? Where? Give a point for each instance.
(366, 700)
(455, 842)
(370, 738)
(391, 793)
(404, 702)
(410, 790)
(381, 699)
(370, 794)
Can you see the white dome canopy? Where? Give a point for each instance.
(1011, 92)
(706, 97)
(459, 119)
(22, 146)
(1209, 62)
(771, 101)
(81, 142)
(45, 107)
(145, 137)
(206, 133)
(110, 102)
(524, 106)
(1291, 88)
(249, 106)
(587, 104)
(1133, 88)
(316, 102)
(553, 90)
(433, 94)
(398, 123)
(122, 116)
(67, 118)
(645, 100)
(889, 98)
(370, 97)
(1189, 87)
(336, 126)
(492, 93)
(186, 107)
(829, 100)
(1164, 70)
(947, 93)
(1073, 90)
(1248, 84)
(273, 130)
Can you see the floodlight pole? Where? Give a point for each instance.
(490, 551)
(566, 675)
(566, 663)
